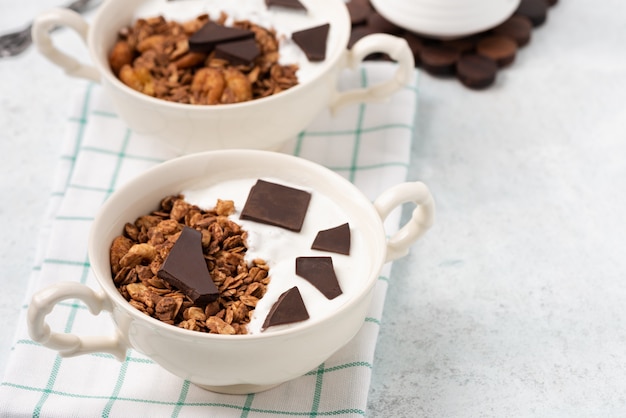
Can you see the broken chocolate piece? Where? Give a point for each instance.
(336, 240)
(319, 271)
(278, 205)
(208, 36)
(313, 41)
(238, 52)
(287, 309)
(290, 4)
(185, 268)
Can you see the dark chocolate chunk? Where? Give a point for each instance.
(313, 41)
(336, 240)
(289, 4)
(499, 48)
(277, 205)
(518, 28)
(439, 60)
(287, 309)
(319, 271)
(208, 36)
(185, 268)
(238, 52)
(359, 10)
(535, 10)
(475, 71)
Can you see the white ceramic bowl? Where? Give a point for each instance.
(232, 363)
(259, 124)
(446, 19)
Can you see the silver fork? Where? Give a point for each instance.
(15, 43)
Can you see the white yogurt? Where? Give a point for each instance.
(284, 21)
(280, 247)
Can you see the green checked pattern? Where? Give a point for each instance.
(367, 144)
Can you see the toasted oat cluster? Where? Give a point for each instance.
(153, 57)
(139, 253)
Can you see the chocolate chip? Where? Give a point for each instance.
(475, 71)
(277, 205)
(439, 60)
(238, 52)
(336, 240)
(208, 36)
(185, 268)
(290, 4)
(319, 271)
(518, 28)
(289, 308)
(499, 48)
(313, 41)
(535, 10)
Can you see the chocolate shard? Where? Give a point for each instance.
(185, 268)
(313, 41)
(289, 308)
(290, 4)
(336, 240)
(319, 271)
(278, 205)
(241, 52)
(208, 36)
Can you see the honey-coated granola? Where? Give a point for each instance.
(153, 57)
(137, 255)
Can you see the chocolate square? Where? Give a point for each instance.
(278, 205)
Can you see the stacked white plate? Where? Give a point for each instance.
(446, 19)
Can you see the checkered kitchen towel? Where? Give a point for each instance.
(368, 144)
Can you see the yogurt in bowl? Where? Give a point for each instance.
(230, 363)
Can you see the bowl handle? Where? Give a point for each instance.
(421, 219)
(43, 25)
(397, 48)
(68, 344)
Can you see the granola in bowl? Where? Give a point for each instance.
(156, 57)
(139, 253)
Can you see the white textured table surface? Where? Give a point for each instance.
(513, 305)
